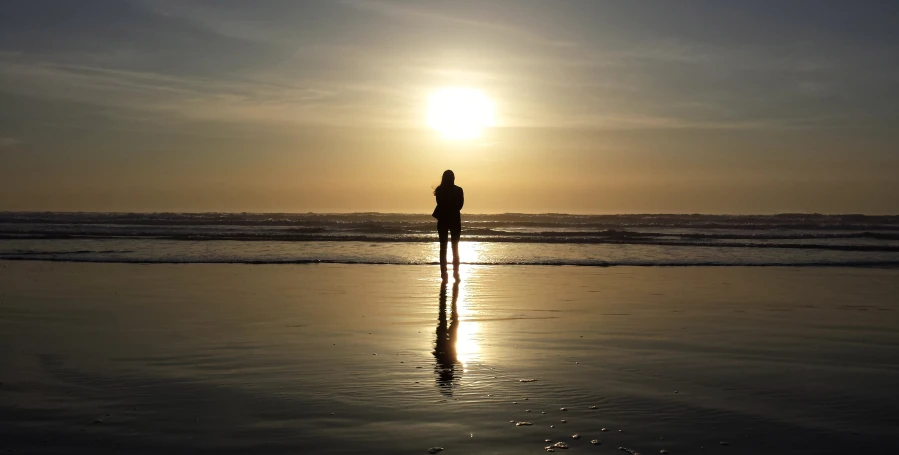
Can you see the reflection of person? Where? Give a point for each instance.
(450, 200)
(445, 344)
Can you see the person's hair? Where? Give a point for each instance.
(448, 180)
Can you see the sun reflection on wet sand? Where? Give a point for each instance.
(467, 348)
(445, 353)
(458, 333)
(470, 334)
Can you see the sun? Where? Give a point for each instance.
(460, 113)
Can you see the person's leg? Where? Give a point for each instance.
(443, 232)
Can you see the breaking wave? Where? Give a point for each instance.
(803, 240)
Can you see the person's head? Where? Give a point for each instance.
(449, 179)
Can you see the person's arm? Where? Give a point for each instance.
(461, 198)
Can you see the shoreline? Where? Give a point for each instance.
(638, 264)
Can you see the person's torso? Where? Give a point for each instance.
(449, 200)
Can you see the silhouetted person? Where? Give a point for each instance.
(445, 344)
(450, 200)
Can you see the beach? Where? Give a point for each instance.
(662, 227)
(349, 358)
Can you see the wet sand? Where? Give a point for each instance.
(202, 358)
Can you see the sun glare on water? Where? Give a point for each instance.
(460, 113)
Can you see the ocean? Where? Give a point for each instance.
(808, 240)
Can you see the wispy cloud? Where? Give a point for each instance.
(9, 142)
(213, 19)
(196, 98)
(414, 11)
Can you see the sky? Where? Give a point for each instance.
(718, 106)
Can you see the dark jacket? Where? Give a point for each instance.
(449, 204)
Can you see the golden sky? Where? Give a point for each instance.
(600, 107)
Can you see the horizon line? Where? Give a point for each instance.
(424, 213)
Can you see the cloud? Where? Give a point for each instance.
(406, 10)
(246, 99)
(9, 142)
(215, 20)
